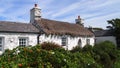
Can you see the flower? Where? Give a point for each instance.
(20, 65)
(52, 52)
(64, 59)
(30, 51)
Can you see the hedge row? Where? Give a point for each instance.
(50, 55)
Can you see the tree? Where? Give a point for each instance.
(115, 25)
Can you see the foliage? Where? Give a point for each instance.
(97, 28)
(76, 49)
(50, 46)
(105, 53)
(87, 48)
(115, 25)
(117, 63)
(99, 56)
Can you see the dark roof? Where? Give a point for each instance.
(104, 33)
(58, 27)
(6, 26)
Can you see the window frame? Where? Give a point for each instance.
(88, 41)
(26, 41)
(64, 41)
(2, 44)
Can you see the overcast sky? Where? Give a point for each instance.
(94, 12)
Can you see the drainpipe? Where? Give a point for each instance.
(38, 38)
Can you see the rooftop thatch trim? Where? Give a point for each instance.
(62, 28)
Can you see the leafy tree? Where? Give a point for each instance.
(115, 25)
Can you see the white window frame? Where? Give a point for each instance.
(64, 41)
(88, 41)
(21, 41)
(2, 44)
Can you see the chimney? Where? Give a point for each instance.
(35, 13)
(79, 20)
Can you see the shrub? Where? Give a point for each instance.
(87, 48)
(76, 49)
(50, 46)
(57, 57)
(105, 53)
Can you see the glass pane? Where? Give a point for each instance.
(88, 41)
(64, 41)
(1, 44)
(1, 41)
(22, 41)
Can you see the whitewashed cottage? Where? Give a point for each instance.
(39, 30)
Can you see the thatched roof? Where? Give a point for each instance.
(62, 28)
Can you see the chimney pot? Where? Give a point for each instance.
(79, 17)
(36, 5)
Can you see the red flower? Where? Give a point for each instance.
(20, 65)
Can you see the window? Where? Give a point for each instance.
(64, 41)
(88, 41)
(1, 44)
(23, 42)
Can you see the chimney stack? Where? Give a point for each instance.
(79, 20)
(35, 13)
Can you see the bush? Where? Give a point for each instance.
(50, 46)
(87, 48)
(105, 53)
(57, 57)
(76, 49)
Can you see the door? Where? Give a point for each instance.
(79, 43)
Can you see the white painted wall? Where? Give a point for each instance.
(72, 41)
(106, 38)
(11, 40)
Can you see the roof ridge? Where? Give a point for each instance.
(58, 21)
(15, 22)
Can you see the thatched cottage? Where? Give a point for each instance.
(39, 30)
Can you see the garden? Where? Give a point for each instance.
(51, 55)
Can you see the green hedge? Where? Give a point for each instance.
(50, 55)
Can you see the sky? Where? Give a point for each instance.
(94, 13)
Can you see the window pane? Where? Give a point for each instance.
(88, 41)
(1, 41)
(22, 41)
(1, 44)
(64, 41)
